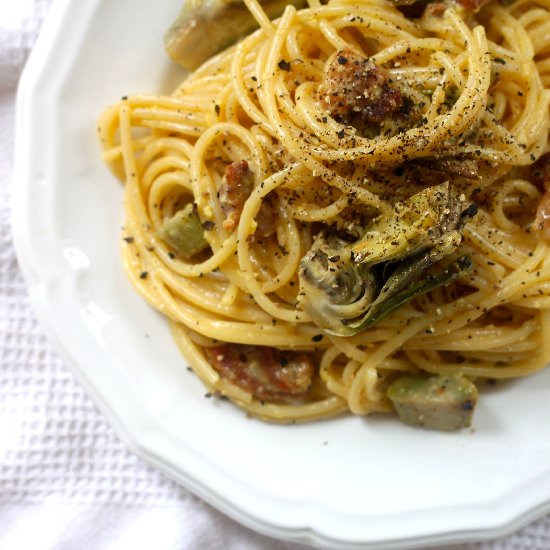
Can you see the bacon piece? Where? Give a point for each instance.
(265, 372)
(540, 172)
(540, 175)
(236, 186)
(355, 86)
(462, 168)
(267, 221)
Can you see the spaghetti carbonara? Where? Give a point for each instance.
(348, 210)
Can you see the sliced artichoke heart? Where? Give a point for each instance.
(205, 27)
(434, 401)
(409, 226)
(403, 253)
(183, 233)
(330, 280)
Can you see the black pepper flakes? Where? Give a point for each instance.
(317, 337)
(143, 275)
(284, 65)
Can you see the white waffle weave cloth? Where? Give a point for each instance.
(66, 481)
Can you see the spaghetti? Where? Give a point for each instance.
(264, 143)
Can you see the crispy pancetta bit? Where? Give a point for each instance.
(235, 188)
(265, 372)
(540, 174)
(355, 87)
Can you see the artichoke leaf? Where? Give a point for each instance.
(388, 301)
(347, 287)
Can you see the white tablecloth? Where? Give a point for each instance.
(66, 481)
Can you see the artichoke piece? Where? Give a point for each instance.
(437, 402)
(389, 300)
(205, 27)
(347, 287)
(430, 219)
(184, 233)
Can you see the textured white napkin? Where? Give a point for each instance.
(66, 481)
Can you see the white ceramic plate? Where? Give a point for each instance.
(344, 483)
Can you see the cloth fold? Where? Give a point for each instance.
(66, 481)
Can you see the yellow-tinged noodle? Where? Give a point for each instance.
(259, 101)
